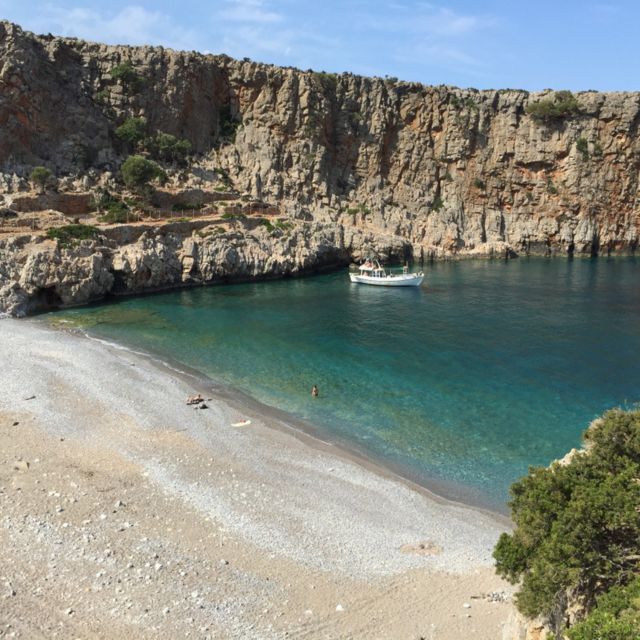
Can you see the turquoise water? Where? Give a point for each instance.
(462, 384)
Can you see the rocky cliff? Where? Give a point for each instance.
(37, 273)
(441, 171)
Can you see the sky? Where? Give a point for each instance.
(528, 44)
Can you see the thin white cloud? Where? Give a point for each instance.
(132, 24)
(439, 56)
(251, 28)
(431, 22)
(433, 36)
(250, 11)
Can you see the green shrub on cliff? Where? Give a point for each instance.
(138, 171)
(127, 76)
(118, 212)
(266, 223)
(577, 525)
(326, 81)
(562, 105)
(40, 177)
(167, 147)
(227, 124)
(133, 131)
(437, 203)
(67, 234)
(582, 145)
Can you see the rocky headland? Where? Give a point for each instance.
(289, 171)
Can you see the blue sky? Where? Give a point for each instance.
(561, 44)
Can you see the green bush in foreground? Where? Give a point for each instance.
(616, 616)
(577, 525)
(70, 232)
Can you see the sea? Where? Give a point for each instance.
(489, 368)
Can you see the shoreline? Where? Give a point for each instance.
(309, 433)
(333, 267)
(248, 516)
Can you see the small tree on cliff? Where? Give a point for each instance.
(577, 525)
(132, 131)
(127, 76)
(167, 147)
(40, 177)
(138, 171)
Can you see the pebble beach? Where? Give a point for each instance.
(124, 511)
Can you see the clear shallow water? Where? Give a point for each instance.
(462, 384)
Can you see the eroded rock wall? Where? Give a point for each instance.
(37, 273)
(449, 170)
(368, 164)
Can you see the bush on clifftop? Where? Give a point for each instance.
(563, 105)
(577, 525)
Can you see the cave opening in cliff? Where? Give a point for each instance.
(46, 298)
(119, 283)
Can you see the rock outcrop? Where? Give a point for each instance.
(37, 273)
(440, 171)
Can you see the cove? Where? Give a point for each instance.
(461, 384)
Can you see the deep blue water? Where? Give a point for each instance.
(463, 383)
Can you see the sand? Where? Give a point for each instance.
(125, 512)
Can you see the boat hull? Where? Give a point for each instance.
(404, 280)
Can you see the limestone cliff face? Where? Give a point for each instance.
(417, 171)
(448, 170)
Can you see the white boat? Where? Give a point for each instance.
(372, 273)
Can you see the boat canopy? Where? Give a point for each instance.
(371, 266)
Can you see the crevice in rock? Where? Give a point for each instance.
(44, 299)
